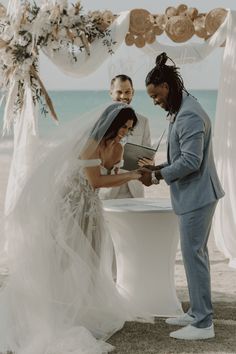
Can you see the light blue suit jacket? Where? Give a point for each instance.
(190, 170)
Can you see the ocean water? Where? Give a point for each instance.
(72, 104)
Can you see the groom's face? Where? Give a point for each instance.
(122, 91)
(159, 94)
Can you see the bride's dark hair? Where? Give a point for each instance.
(170, 74)
(122, 117)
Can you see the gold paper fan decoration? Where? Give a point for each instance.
(199, 25)
(181, 9)
(214, 19)
(139, 41)
(171, 11)
(161, 21)
(179, 29)
(157, 30)
(180, 24)
(158, 26)
(192, 12)
(150, 37)
(129, 39)
(140, 21)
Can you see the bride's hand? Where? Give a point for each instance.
(136, 174)
(116, 170)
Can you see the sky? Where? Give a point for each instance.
(204, 75)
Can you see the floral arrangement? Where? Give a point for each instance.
(54, 26)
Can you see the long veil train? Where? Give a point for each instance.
(59, 297)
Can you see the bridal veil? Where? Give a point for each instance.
(59, 296)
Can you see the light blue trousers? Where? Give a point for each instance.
(194, 233)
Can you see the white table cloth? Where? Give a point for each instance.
(145, 237)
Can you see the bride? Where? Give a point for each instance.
(59, 296)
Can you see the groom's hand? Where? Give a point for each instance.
(146, 177)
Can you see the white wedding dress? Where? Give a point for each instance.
(59, 297)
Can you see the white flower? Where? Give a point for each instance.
(71, 12)
(26, 27)
(54, 45)
(23, 41)
(62, 32)
(8, 33)
(63, 4)
(25, 67)
(29, 61)
(45, 7)
(6, 58)
(64, 20)
(78, 42)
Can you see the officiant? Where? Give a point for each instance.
(121, 90)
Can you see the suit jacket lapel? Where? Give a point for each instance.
(172, 120)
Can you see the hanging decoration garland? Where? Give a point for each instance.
(178, 23)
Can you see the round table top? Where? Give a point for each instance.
(140, 205)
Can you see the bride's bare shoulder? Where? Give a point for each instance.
(90, 150)
(118, 150)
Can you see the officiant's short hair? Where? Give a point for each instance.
(122, 77)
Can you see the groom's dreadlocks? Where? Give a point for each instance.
(170, 74)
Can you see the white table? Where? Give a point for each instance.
(145, 237)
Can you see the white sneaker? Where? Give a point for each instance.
(182, 320)
(193, 333)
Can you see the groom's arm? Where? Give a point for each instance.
(191, 130)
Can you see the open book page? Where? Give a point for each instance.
(134, 152)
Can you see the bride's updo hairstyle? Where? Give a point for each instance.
(170, 74)
(122, 117)
(111, 120)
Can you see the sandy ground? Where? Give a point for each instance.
(223, 277)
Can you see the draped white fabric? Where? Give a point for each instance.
(86, 64)
(226, 109)
(25, 144)
(191, 52)
(225, 148)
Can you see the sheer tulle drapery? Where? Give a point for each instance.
(225, 147)
(59, 296)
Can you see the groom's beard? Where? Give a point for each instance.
(164, 105)
(168, 107)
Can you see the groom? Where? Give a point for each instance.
(195, 189)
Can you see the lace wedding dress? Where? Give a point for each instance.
(60, 297)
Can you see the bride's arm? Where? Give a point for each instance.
(97, 180)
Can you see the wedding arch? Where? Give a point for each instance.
(79, 43)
